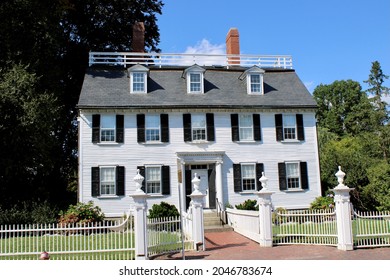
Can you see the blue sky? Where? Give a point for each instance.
(328, 40)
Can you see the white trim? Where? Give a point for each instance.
(144, 82)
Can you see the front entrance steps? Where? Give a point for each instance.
(213, 223)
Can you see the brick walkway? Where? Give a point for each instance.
(233, 246)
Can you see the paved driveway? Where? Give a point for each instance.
(233, 246)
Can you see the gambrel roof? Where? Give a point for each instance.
(223, 88)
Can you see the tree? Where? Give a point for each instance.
(46, 44)
(343, 108)
(376, 89)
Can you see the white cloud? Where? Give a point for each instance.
(205, 47)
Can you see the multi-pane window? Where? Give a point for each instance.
(246, 127)
(198, 127)
(138, 82)
(248, 175)
(292, 175)
(255, 83)
(152, 128)
(107, 181)
(107, 128)
(153, 179)
(289, 126)
(195, 82)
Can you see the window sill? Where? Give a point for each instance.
(154, 143)
(289, 141)
(199, 142)
(248, 192)
(294, 191)
(108, 144)
(155, 195)
(247, 141)
(108, 196)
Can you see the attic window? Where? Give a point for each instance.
(194, 76)
(254, 80)
(138, 79)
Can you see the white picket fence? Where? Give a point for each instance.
(314, 227)
(93, 241)
(165, 235)
(371, 229)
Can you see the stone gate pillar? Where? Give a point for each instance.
(140, 219)
(197, 214)
(343, 213)
(265, 213)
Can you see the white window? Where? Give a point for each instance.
(138, 82)
(107, 181)
(107, 128)
(292, 175)
(289, 127)
(194, 76)
(152, 128)
(246, 127)
(195, 83)
(198, 123)
(153, 179)
(255, 83)
(248, 177)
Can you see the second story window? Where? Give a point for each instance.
(289, 127)
(107, 129)
(246, 127)
(198, 127)
(152, 128)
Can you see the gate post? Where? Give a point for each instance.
(343, 213)
(197, 214)
(140, 222)
(265, 213)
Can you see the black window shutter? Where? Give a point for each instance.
(282, 176)
(188, 183)
(279, 127)
(256, 127)
(259, 171)
(187, 127)
(210, 127)
(119, 128)
(95, 128)
(235, 128)
(237, 177)
(164, 121)
(301, 132)
(142, 173)
(304, 177)
(166, 182)
(95, 188)
(120, 180)
(141, 128)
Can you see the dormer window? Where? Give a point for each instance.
(138, 79)
(194, 76)
(254, 80)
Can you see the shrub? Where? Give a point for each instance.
(323, 202)
(163, 210)
(248, 205)
(33, 212)
(81, 213)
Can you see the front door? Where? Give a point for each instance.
(204, 184)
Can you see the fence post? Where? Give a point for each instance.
(140, 222)
(265, 213)
(197, 214)
(343, 213)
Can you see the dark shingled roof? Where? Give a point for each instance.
(223, 88)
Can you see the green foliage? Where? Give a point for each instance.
(163, 210)
(248, 205)
(81, 213)
(35, 212)
(323, 202)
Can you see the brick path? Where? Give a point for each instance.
(233, 246)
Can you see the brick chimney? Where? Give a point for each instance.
(138, 41)
(233, 46)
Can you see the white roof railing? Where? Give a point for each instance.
(126, 59)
